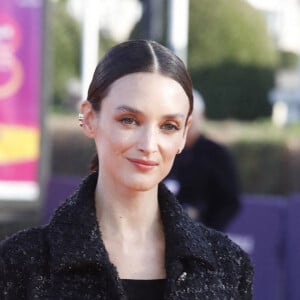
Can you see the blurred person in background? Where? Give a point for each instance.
(122, 234)
(204, 177)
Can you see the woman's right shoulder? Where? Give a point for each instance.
(23, 245)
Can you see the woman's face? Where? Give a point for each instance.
(139, 129)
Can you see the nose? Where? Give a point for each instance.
(148, 140)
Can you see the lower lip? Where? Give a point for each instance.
(142, 167)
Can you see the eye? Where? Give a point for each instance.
(170, 127)
(128, 121)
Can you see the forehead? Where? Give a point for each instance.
(145, 90)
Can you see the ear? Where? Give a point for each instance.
(186, 129)
(89, 119)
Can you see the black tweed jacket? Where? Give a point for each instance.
(66, 259)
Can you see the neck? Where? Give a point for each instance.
(127, 214)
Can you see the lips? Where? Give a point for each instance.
(143, 164)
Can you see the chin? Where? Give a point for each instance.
(141, 184)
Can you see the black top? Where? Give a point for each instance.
(144, 289)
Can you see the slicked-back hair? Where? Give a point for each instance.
(133, 57)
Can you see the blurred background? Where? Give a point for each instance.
(243, 56)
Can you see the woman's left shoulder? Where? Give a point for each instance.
(226, 251)
(229, 264)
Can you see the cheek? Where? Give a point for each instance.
(171, 150)
(170, 147)
(115, 142)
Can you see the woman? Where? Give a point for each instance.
(123, 235)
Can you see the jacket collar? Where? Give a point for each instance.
(185, 239)
(75, 239)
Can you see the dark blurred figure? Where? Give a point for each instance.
(204, 176)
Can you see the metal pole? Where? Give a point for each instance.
(178, 27)
(90, 43)
(152, 20)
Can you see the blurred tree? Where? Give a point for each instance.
(66, 50)
(288, 60)
(232, 58)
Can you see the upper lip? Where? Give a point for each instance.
(144, 161)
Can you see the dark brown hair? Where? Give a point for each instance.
(132, 57)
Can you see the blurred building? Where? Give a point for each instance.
(283, 21)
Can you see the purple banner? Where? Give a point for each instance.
(260, 229)
(21, 29)
(293, 249)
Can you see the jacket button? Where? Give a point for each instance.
(181, 278)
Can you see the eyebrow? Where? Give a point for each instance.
(126, 108)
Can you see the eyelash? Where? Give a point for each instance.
(131, 121)
(128, 121)
(170, 127)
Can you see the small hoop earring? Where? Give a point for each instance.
(81, 119)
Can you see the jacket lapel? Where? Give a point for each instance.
(186, 243)
(75, 239)
(184, 237)
(73, 231)
(187, 248)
